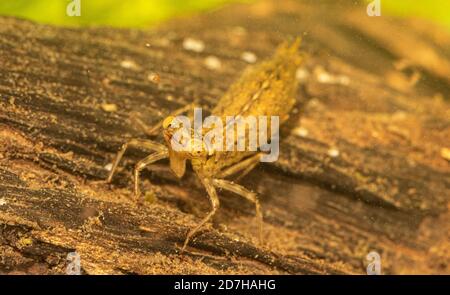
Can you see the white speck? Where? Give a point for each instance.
(326, 78)
(2, 202)
(213, 63)
(154, 77)
(108, 167)
(249, 57)
(302, 74)
(193, 45)
(301, 131)
(148, 45)
(128, 64)
(333, 152)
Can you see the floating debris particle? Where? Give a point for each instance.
(170, 97)
(333, 152)
(128, 64)
(2, 202)
(148, 45)
(324, 77)
(193, 45)
(213, 63)
(147, 229)
(302, 74)
(108, 167)
(154, 77)
(109, 107)
(327, 78)
(301, 131)
(445, 153)
(249, 57)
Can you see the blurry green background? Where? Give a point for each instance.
(142, 13)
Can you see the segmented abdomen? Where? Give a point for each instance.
(266, 89)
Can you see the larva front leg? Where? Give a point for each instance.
(163, 154)
(137, 143)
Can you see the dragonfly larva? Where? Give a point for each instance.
(265, 89)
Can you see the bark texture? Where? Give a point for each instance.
(362, 167)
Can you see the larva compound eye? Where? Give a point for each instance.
(168, 122)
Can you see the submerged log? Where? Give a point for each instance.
(362, 167)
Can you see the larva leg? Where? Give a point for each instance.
(144, 163)
(242, 191)
(139, 143)
(214, 200)
(244, 167)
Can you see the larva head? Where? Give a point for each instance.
(178, 132)
(182, 143)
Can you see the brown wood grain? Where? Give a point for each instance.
(387, 190)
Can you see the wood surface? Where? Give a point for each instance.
(362, 165)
